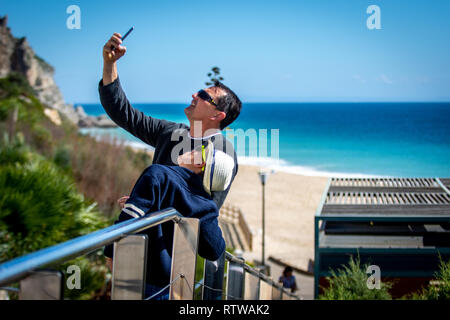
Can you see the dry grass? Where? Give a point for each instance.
(105, 170)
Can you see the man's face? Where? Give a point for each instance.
(202, 110)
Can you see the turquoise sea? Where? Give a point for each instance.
(338, 139)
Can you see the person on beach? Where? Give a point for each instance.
(187, 188)
(212, 109)
(288, 279)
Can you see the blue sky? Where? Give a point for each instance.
(286, 51)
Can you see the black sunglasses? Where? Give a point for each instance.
(202, 94)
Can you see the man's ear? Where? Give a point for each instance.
(220, 115)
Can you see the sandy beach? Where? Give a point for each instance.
(291, 202)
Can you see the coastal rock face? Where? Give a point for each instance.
(85, 121)
(16, 55)
(7, 46)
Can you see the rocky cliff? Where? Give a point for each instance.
(16, 55)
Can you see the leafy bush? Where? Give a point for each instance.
(62, 157)
(14, 85)
(44, 167)
(22, 112)
(439, 289)
(39, 206)
(350, 283)
(93, 280)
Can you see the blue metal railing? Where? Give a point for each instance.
(18, 268)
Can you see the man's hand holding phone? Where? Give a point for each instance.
(113, 49)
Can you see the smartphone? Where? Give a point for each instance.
(123, 38)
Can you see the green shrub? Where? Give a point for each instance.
(40, 207)
(102, 170)
(62, 157)
(350, 283)
(439, 289)
(14, 85)
(93, 276)
(43, 169)
(22, 112)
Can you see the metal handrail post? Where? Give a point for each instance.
(213, 275)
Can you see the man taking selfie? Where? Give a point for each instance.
(211, 110)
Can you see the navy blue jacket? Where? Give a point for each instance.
(160, 187)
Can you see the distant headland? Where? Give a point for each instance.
(17, 56)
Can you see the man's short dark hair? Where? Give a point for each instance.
(229, 103)
(287, 270)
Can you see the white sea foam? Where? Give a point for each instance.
(112, 136)
(265, 162)
(285, 166)
(139, 145)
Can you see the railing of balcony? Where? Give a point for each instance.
(242, 282)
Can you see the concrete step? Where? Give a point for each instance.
(234, 228)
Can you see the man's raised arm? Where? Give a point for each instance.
(110, 58)
(115, 102)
